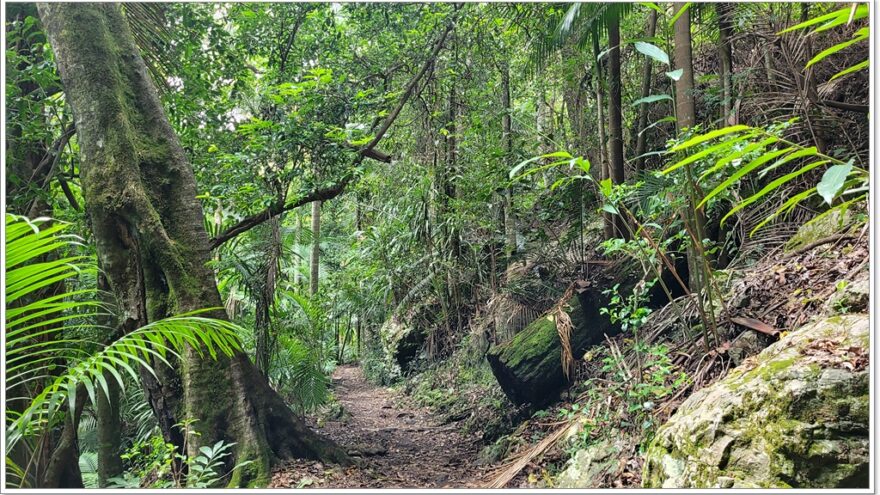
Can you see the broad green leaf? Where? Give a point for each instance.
(605, 186)
(832, 181)
(757, 162)
(651, 99)
(771, 186)
(653, 6)
(583, 164)
(653, 51)
(739, 154)
(840, 16)
(676, 74)
(610, 209)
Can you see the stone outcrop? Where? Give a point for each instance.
(795, 415)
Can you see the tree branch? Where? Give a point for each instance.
(849, 107)
(278, 208)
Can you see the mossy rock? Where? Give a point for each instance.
(401, 342)
(829, 223)
(795, 415)
(589, 465)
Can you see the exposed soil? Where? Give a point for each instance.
(395, 447)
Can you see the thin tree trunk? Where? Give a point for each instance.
(109, 432)
(140, 193)
(615, 117)
(641, 142)
(724, 12)
(507, 144)
(297, 261)
(107, 410)
(608, 221)
(315, 259)
(265, 298)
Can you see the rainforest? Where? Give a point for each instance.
(437, 245)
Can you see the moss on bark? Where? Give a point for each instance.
(140, 194)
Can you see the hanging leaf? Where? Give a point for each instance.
(676, 74)
(651, 99)
(652, 51)
(832, 181)
(610, 209)
(605, 186)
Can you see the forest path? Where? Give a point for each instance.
(396, 447)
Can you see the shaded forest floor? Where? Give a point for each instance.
(395, 446)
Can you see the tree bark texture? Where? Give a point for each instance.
(647, 72)
(615, 117)
(140, 193)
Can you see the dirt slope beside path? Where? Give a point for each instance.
(398, 448)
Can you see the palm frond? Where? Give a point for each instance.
(37, 341)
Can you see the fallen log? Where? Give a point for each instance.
(529, 367)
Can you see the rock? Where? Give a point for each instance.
(529, 367)
(401, 341)
(851, 296)
(819, 228)
(587, 467)
(795, 415)
(744, 345)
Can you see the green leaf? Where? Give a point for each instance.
(860, 35)
(605, 186)
(583, 164)
(653, 51)
(668, 118)
(757, 162)
(832, 181)
(651, 99)
(855, 68)
(679, 13)
(653, 6)
(771, 186)
(610, 209)
(706, 152)
(708, 136)
(837, 17)
(676, 74)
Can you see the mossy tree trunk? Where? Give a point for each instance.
(140, 193)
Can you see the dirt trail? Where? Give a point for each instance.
(396, 447)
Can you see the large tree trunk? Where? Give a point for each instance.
(615, 117)
(695, 220)
(140, 193)
(641, 142)
(685, 113)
